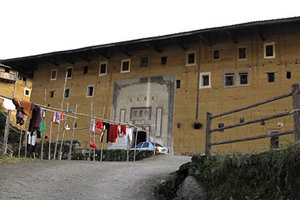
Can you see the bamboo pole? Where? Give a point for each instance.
(61, 108)
(50, 140)
(63, 134)
(42, 135)
(73, 132)
(208, 134)
(296, 114)
(90, 136)
(20, 142)
(101, 148)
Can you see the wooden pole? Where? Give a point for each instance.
(296, 113)
(90, 132)
(73, 132)
(7, 122)
(20, 142)
(50, 139)
(63, 134)
(208, 134)
(101, 140)
(136, 135)
(61, 108)
(42, 135)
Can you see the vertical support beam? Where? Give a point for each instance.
(208, 134)
(296, 109)
(73, 132)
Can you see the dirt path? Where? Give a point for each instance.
(86, 180)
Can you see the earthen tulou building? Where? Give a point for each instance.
(167, 84)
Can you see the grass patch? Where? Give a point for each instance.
(9, 160)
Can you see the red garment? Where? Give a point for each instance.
(92, 143)
(99, 124)
(113, 133)
(123, 129)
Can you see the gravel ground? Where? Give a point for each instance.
(86, 180)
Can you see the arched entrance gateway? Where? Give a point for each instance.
(148, 103)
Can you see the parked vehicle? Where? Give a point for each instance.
(150, 146)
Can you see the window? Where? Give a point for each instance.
(67, 93)
(69, 72)
(146, 145)
(243, 78)
(216, 54)
(178, 83)
(24, 78)
(103, 68)
(229, 79)
(163, 60)
(288, 75)
(6, 69)
(53, 74)
(144, 61)
(27, 92)
(90, 91)
(236, 78)
(51, 94)
(271, 77)
(125, 66)
(274, 139)
(190, 58)
(205, 80)
(269, 50)
(242, 53)
(85, 69)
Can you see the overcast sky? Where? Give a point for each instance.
(30, 27)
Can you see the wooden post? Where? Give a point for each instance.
(296, 111)
(136, 135)
(101, 140)
(73, 131)
(20, 142)
(208, 134)
(50, 139)
(90, 132)
(42, 135)
(63, 135)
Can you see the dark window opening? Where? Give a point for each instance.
(191, 58)
(144, 61)
(163, 60)
(216, 54)
(269, 51)
(221, 125)
(125, 66)
(271, 77)
(67, 93)
(288, 75)
(24, 78)
(85, 69)
(229, 79)
(205, 79)
(242, 53)
(103, 69)
(178, 84)
(51, 94)
(27, 92)
(53, 74)
(6, 69)
(90, 91)
(243, 78)
(274, 142)
(69, 72)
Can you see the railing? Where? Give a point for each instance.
(296, 114)
(8, 76)
(9, 152)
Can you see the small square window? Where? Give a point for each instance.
(103, 68)
(26, 92)
(144, 61)
(67, 93)
(125, 66)
(205, 81)
(190, 58)
(53, 74)
(271, 77)
(229, 79)
(24, 78)
(85, 69)
(242, 53)
(69, 72)
(269, 50)
(51, 94)
(216, 54)
(7, 70)
(243, 78)
(90, 91)
(163, 60)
